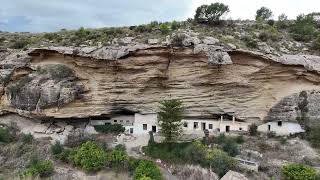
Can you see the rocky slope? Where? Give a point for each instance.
(81, 82)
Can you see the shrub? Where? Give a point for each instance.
(20, 44)
(164, 28)
(298, 172)
(41, 168)
(239, 139)
(118, 158)
(5, 135)
(89, 156)
(27, 138)
(64, 156)
(250, 42)
(227, 144)
(282, 22)
(57, 148)
(316, 43)
(263, 14)
(314, 136)
(175, 25)
(211, 13)
(253, 130)
(269, 34)
(147, 169)
(220, 162)
(110, 128)
(304, 28)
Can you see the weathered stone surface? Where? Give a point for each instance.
(153, 41)
(210, 40)
(136, 77)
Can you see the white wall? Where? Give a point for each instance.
(286, 128)
(151, 120)
(123, 119)
(99, 122)
(140, 119)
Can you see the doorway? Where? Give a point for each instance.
(269, 127)
(131, 130)
(227, 128)
(154, 129)
(203, 126)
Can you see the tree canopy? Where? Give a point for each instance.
(211, 13)
(263, 14)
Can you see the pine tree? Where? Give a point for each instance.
(169, 119)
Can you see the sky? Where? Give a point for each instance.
(53, 15)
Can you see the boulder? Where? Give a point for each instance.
(153, 41)
(210, 40)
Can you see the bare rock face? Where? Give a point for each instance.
(62, 82)
(49, 85)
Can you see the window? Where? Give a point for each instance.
(240, 129)
(279, 123)
(127, 121)
(145, 127)
(195, 125)
(210, 126)
(185, 124)
(121, 121)
(115, 120)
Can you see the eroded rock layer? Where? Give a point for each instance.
(83, 83)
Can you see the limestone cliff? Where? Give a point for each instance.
(92, 81)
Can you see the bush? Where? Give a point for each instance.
(282, 22)
(57, 148)
(220, 162)
(20, 44)
(27, 138)
(89, 156)
(110, 128)
(304, 28)
(269, 34)
(298, 172)
(253, 130)
(5, 135)
(40, 168)
(227, 144)
(250, 42)
(316, 43)
(313, 136)
(164, 28)
(64, 156)
(147, 169)
(118, 159)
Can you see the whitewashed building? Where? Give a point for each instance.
(281, 127)
(143, 123)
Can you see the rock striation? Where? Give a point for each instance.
(82, 82)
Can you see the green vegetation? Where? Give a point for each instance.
(220, 161)
(193, 153)
(5, 136)
(253, 130)
(298, 172)
(228, 144)
(39, 168)
(89, 156)
(316, 43)
(169, 119)
(282, 22)
(211, 13)
(20, 43)
(147, 169)
(110, 128)
(118, 158)
(57, 148)
(313, 135)
(27, 138)
(269, 33)
(263, 14)
(304, 28)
